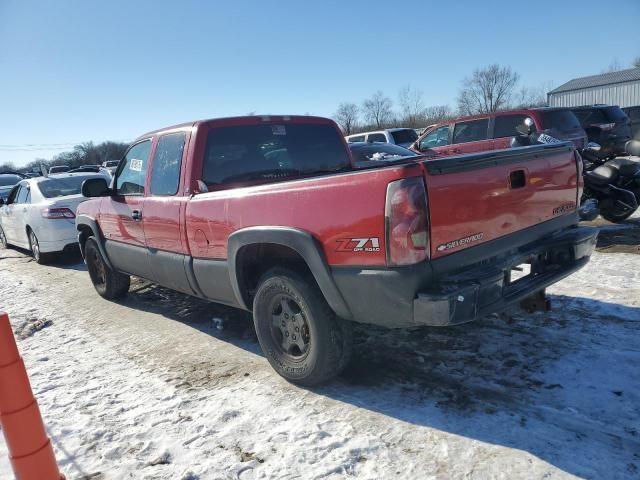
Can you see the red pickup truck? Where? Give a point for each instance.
(270, 215)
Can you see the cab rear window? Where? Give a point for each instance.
(266, 152)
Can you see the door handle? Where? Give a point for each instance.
(136, 215)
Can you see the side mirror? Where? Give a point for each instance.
(95, 187)
(594, 147)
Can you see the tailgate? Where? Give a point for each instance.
(477, 198)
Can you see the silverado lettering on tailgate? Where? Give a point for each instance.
(460, 242)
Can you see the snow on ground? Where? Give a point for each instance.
(149, 388)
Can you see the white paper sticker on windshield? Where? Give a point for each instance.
(278, 130)
(135, 165)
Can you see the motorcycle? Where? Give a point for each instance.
(611, 187)
(613, 184)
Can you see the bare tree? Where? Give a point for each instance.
(377, 109)
(614, 66)
(436, 114)
(489, 89)
(347, 116)
(528, 97)
(412, 106)
(7, 167)
(636, 62)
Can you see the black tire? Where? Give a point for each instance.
(318, 346)
(3, 240)
(34, 246)
(615, 215)
(108, 283)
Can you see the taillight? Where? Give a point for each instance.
(57, 213)
(407, 230)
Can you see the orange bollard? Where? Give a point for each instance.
(30, 449)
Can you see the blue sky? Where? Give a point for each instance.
(73, 71)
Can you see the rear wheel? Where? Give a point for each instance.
(3, 239)
(616, 215)
(34, 245)
(301, 336)
(108, 283)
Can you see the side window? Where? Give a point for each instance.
(13, 194)
(472, 131)
(165, 172)
(359, 138)
(132, 172)
(505, 125)
(437, 138)
(23, 194)
(376, 137)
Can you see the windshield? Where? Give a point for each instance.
(61, 187)
(9, 180)
(408, 135)
(269, 152)
(560, 120)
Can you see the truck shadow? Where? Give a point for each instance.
(618, 238)
(563, 386)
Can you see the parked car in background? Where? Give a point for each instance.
(39, 214)
(634, 117)
(494, 131)
(111, 165)
(86, 168)
(397, 136)
(59, 169)
(308, 243)
(606, 125)
(7, 181)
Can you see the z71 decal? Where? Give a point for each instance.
(460, 242)
(369, 244)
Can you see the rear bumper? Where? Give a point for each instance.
(422, 295)
(490, 290)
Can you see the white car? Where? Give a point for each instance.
(397, 136)
(40, 213)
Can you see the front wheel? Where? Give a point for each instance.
(301, 336)
(108, 283)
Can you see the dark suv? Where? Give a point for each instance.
(634, 116)
(606, 125)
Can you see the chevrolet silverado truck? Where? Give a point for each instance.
(269, 214)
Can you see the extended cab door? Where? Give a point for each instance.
(164, 211)
(437, 140)
(471, 136)
(121, 214)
